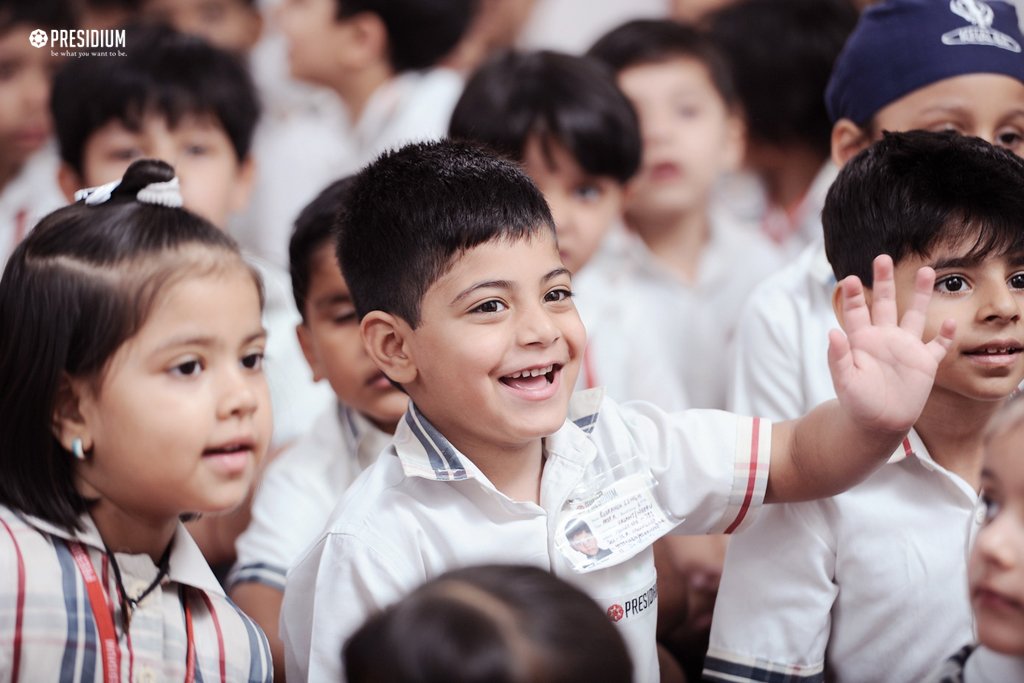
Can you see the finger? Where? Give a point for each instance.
(883, 292)
(943, 341)
(854, 304)
(840, 358)
(915, 316)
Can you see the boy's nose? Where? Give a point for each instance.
(1000, 304)
(537, 327)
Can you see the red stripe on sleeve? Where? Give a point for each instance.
(751, 478)
(20, 609)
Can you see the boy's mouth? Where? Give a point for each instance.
(995, 353)
(532, 379)
(233, 448)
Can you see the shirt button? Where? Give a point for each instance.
(146, 676)
(979, 515)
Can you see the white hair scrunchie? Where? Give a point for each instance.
(166, 193)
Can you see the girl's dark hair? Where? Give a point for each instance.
(561, 98)
(81, 284)
(489, 624)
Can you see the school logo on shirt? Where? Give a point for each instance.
(38, 38)
(634, 605)
(980, 32)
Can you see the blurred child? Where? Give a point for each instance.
(299, 490)
(380, 58)
(452, 262)
(28, 165)
(175, 97)
(134, 394)
(896, 73)
(232, 25)
(692, 259)
(996, 569)
(780, 54)
(510, 623)
(859, 578)
(577, 137)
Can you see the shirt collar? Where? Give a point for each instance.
(187, 564)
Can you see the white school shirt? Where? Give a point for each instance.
(424, 508)
(48, 630)
(866, 586)
(978, 664)
(780, 356)
(295, 398)
(27, 197)
(622, 353)
(298, 492)
(696, 322)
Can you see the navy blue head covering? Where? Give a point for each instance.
(900, 46)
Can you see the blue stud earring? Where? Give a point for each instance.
(76, 449)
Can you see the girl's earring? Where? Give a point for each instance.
(77, 449)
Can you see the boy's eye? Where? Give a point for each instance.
(991, 507)
(253, 361)
(560, 294)
(125, 153)
(1010, 138)
(196, 150)
(490, 306)
(951, 284)
(344, 318)
(588, 193)
(1017, 281)
(189, 368)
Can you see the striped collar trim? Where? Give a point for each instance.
(425, 452)
(910, 446)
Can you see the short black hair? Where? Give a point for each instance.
(913, 191)
(78, 286)
(577, 528)
(314, 228)
(490, 624)
(652, 41)
(420, 32)
(781, 52)
(411, 212)
(165, 72)
(556, 97)
(37, 14)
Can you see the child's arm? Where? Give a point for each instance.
(883, 374)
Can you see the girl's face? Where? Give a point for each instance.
(996, 569)
(182, 414)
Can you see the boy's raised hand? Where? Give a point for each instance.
(881, 368)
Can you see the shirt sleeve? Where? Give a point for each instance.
(772, 616)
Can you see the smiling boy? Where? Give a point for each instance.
(451, 259)
(890, 551)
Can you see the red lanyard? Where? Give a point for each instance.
(110, 649)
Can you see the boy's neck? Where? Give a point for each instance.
(125, 532)
(677, 241)
(952, 429)
(787, 173)
(513, 470)
(356, 89)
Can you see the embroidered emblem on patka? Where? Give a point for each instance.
(980, 32)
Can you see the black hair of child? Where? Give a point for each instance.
(571, 100)
(313, 228)
(76, 288)
(165, 72)
(43, 14)
(651, 41)
(911, 192)
(490, 624)
(577, 528)
(420, 32)
(414, 210)
(781, 52)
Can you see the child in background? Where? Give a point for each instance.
(451, 258)
(780, 54)
(381, 59)
(890, 551)
(177, 98)
(232, 25)
(134, 394)
(996, 569)
(692, 259)
(577, 138)
(299, 489)
(895, 73)
(489, 623)
(28, 164)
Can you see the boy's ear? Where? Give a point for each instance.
(368, 39)
(847, 140)
(241, 189)
(69, 181)
(68, 420)
(837, 303)
(312, 357)
(386, 338)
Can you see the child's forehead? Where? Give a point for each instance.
(151, 118)
(974, 95)
(503, 255)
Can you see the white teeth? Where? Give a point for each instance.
(531, 373)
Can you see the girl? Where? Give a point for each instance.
(996, 568)
(131, 365)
